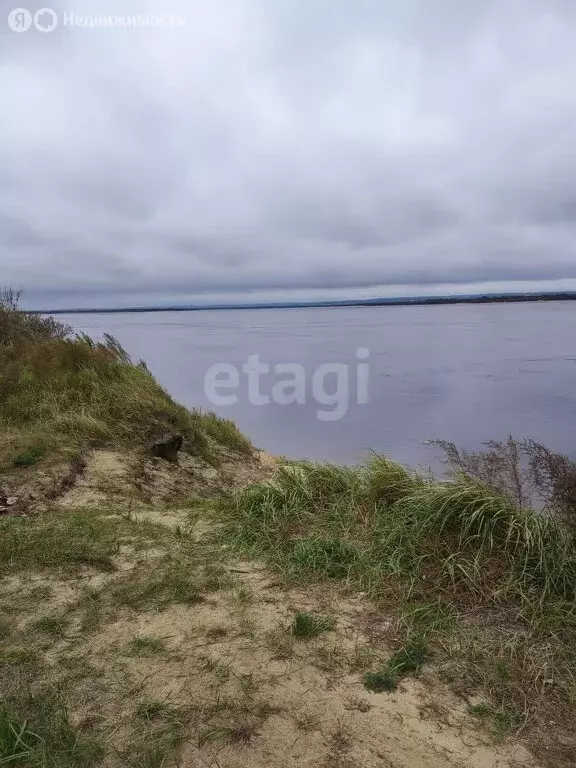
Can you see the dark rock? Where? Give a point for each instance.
(6, 502)
(167, 447)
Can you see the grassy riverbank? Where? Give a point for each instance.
(481, 588)
(233, 610)
(60, 392)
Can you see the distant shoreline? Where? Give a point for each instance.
(485, 298)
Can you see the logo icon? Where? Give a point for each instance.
(45, 20)
(19, 20)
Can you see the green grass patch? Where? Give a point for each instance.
(69, 539)
(151, 710)
(501, 721)
(331, 557)
(409, 658)
(380, 682)
(30, 457)
(44, 738)
(429, 618)
(405, 661)
(5, 628)
(453, 562)
(146, 645)
(307, 625)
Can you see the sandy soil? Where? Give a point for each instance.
(254, 696)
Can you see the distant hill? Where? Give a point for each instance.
(483, 298)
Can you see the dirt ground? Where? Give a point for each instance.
(219, 681)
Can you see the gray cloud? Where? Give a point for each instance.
(274, 148)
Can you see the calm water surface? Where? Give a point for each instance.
(465, 373)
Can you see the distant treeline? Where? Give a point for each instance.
(484, 298)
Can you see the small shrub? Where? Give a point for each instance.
(525, 471)
(409, 658)
(379, 682)
(30, 457)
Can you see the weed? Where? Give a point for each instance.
(242, 596)
(17, 741)
(217, 668)
(52, 625)
(306, 625)
(307, 720)
(409, 658)
(44, 738)
(216, 633)
(428, 618)
(280, 642)
(358, 703)
(92, 608)
(502, 720)
(146, 645)
(239, 732)
(377, 682)
(30, 457)
(170, 582)
(150, 710)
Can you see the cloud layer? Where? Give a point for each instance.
(284, 148)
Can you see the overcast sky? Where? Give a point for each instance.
(289, 148)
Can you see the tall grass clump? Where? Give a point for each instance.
(381, 517)
(457, 562)
(57, 388)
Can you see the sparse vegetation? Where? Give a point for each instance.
(305, 625)
(502, 721)
(168, 581)
(407, 660)
(146, 645)
(465, 572)
(52, 625)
